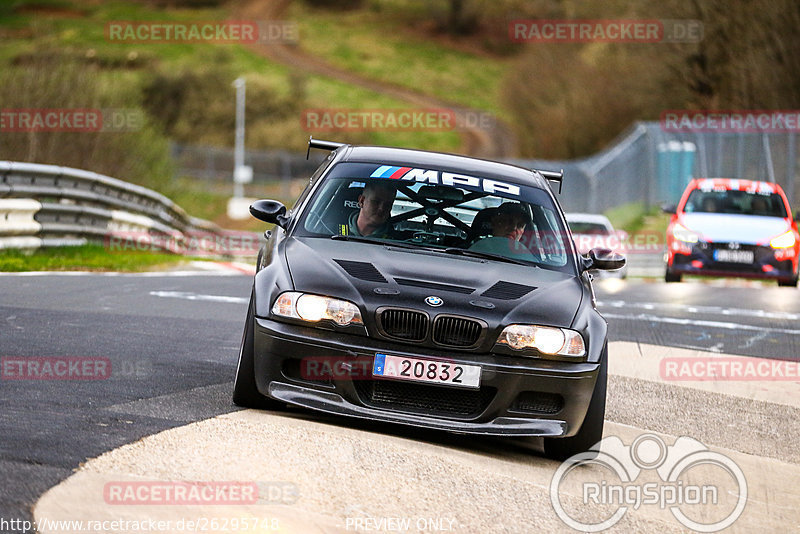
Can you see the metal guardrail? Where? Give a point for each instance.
(48, 205)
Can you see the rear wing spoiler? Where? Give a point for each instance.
(553, 176)
(323, 145)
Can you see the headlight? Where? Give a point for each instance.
(315, 308)
(784, 240)
(545, 339)
(681, 233)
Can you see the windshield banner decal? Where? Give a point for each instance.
(445, 178)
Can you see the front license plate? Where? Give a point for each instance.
(734, 256)
(432, 372)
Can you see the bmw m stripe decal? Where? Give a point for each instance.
(399, 172)
(387, 171)
(380, 171)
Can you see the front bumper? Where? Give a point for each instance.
(700, 259)
(518, 396)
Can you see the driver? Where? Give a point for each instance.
(372, 219)
(709, 205)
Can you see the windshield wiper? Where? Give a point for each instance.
(397, 244)
(452, 250)
(483, 255)
(361, 239)
(358, 239)
(419, 247)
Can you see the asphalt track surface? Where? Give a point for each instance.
(172, 342)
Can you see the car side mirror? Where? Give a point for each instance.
(603, 259)
(669, 208)
(270, 211)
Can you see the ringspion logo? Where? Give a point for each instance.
(704, 490)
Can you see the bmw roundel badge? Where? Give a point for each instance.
(434, 301)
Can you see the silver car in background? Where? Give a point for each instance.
(590, 230)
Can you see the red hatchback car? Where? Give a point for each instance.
(731, 227)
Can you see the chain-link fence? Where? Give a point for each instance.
(649, 165)
(645, 164)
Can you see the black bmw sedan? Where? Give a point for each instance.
(432, 290)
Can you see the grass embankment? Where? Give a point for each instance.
(201, 111)
(185, 90)
(40, 35)
(86, 258)
(634, 218)
(370, 41)
(211, 202)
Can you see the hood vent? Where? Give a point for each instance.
(361, 270)
(507, 291)
(434, 286)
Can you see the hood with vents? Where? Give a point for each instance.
(374, 275)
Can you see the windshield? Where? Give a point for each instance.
(437, 210)
(588, 228)
(735, 202)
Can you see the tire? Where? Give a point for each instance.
(245, 392)
(670, 276)
(791, 282)
(591, 430)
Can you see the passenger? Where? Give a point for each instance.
(508, 225)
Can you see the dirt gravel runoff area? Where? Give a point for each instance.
(678, 454)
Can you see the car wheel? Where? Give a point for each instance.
(591, 430)
(791, 282)
(672, 277)
(245, 392)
